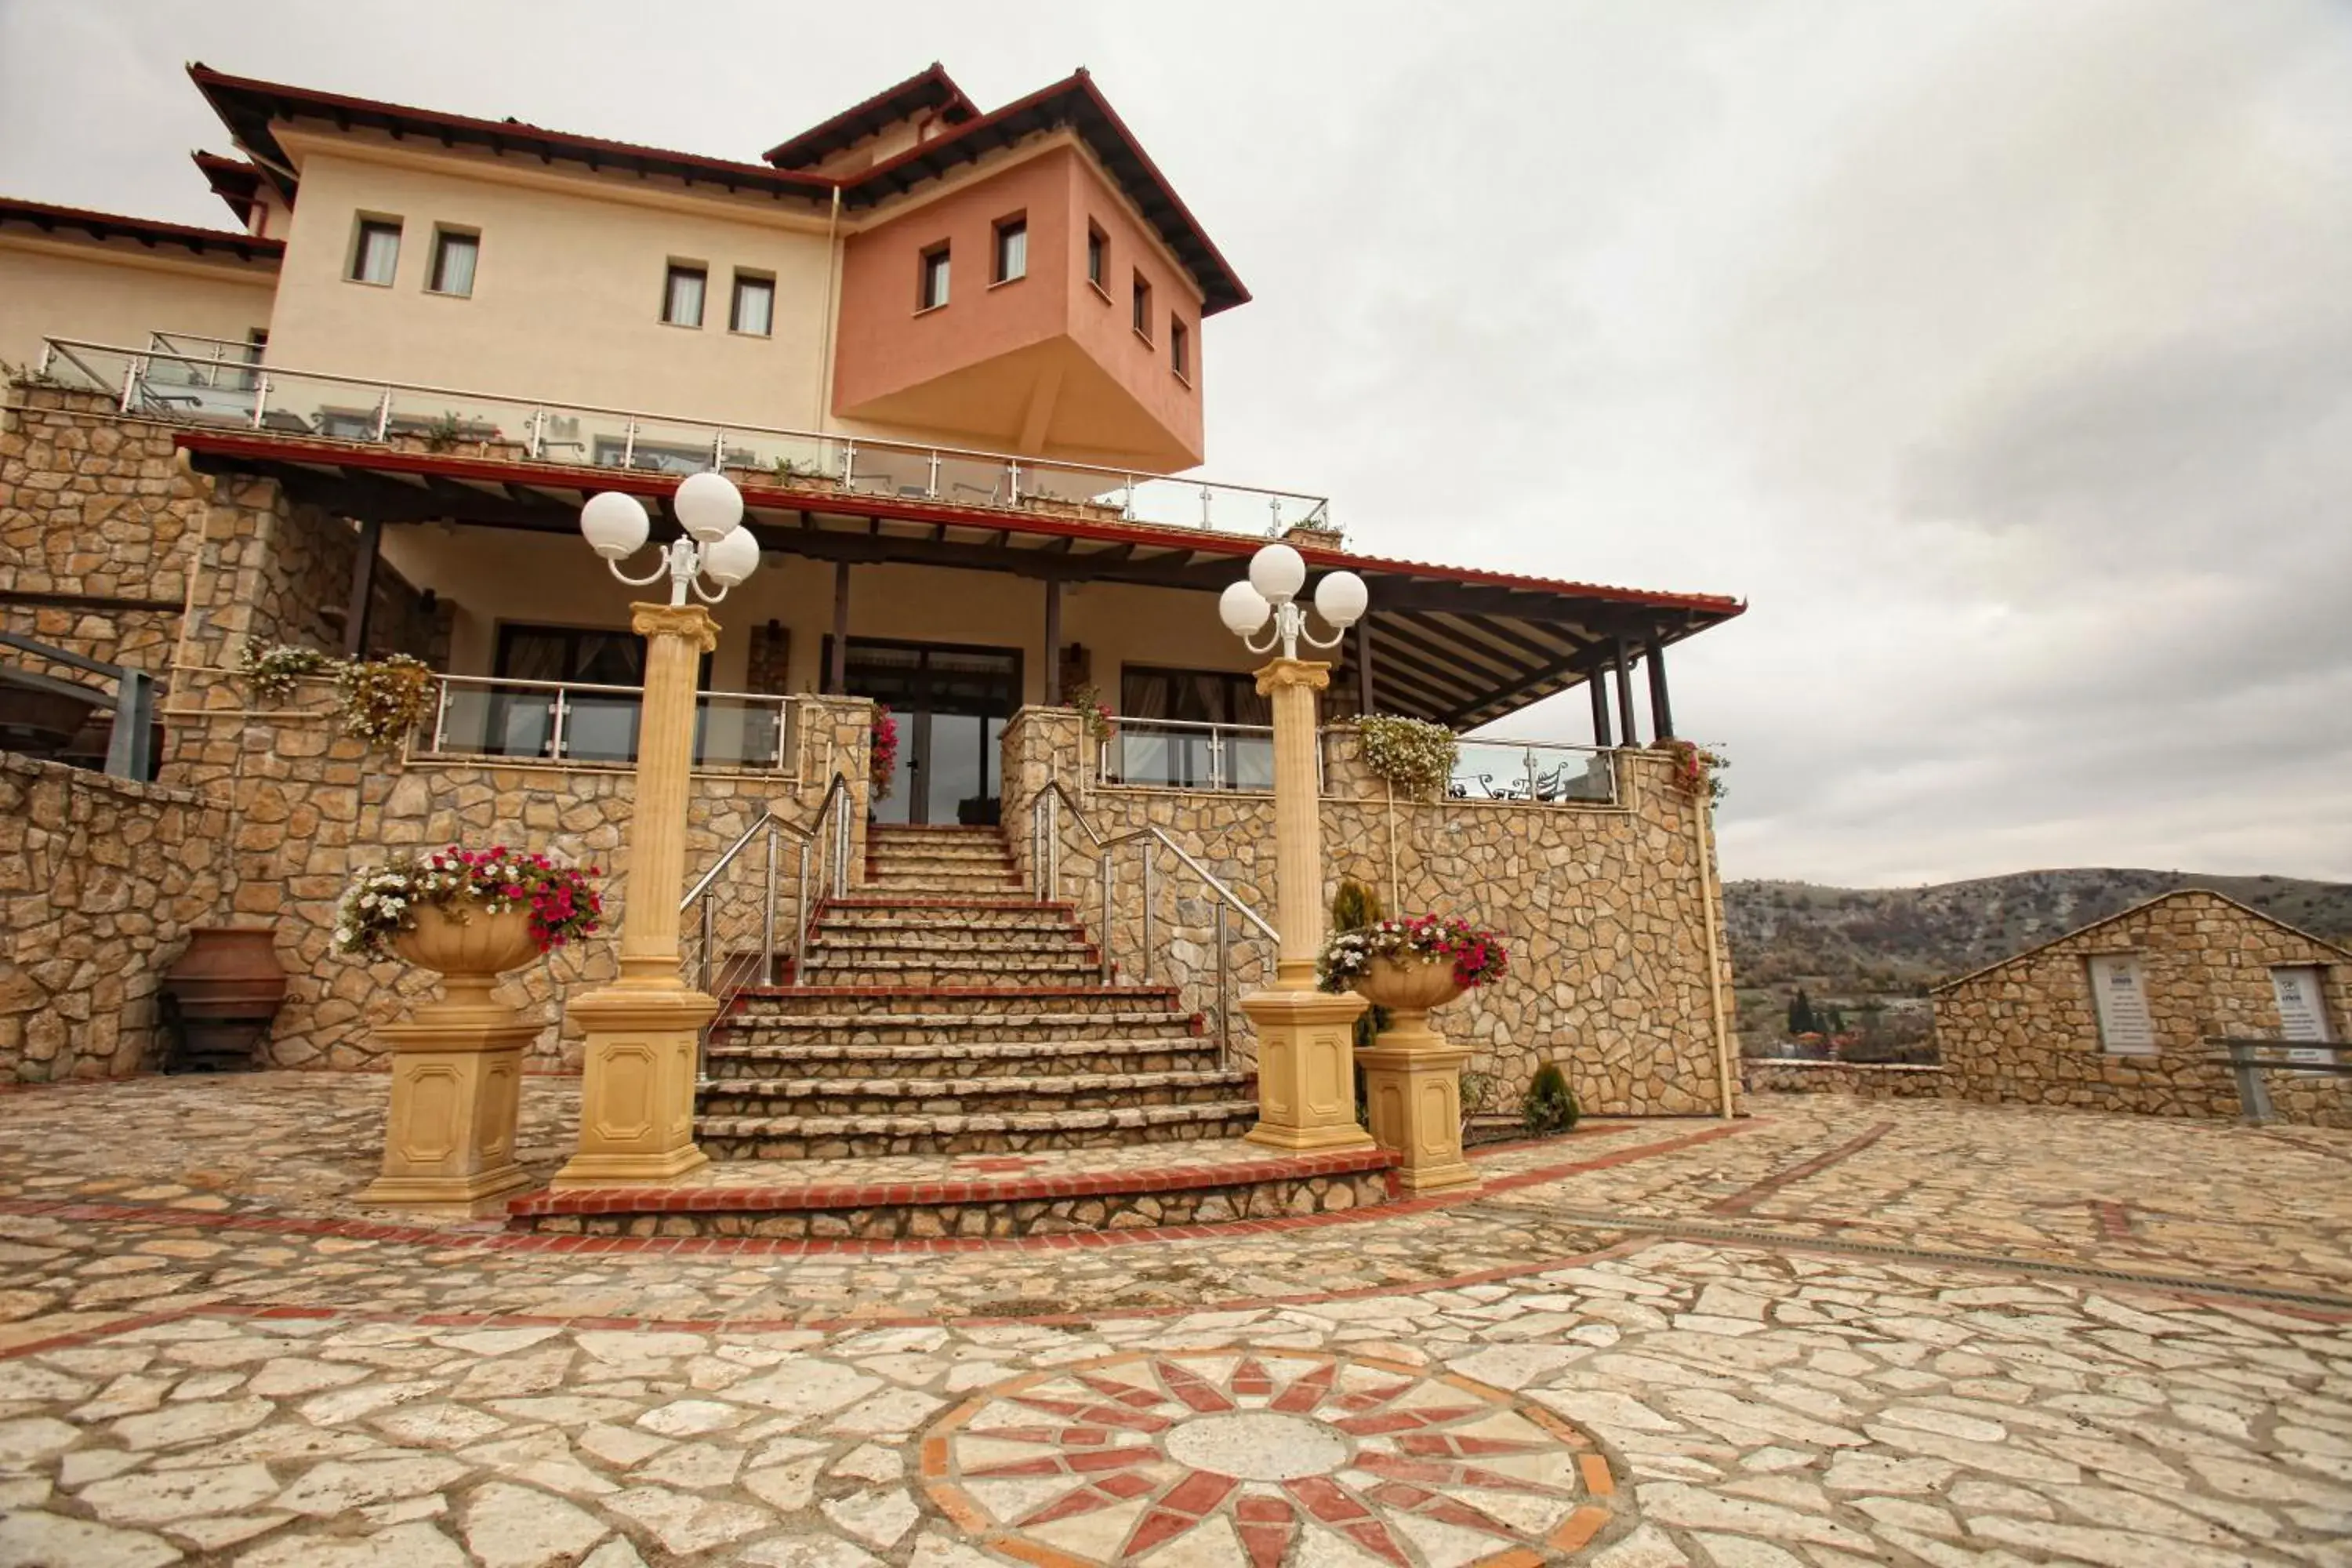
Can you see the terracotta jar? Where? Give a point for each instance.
(217, 999)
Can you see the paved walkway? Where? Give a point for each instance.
(1836, 1333)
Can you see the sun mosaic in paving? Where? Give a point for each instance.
(1222, 1456)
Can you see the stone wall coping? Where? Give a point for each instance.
(87, 778)
(1844, 1067)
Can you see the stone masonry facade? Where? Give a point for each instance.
(1603, 908)
(101, 880)
(2027, 1029)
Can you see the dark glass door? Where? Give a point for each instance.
(951, 703)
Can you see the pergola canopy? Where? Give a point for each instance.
(1460, 646)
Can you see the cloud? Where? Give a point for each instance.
(1998, 353)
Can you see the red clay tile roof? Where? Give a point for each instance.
(930, 89)
(153, 233)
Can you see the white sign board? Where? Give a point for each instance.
(2301, 1008)
(2120, 991)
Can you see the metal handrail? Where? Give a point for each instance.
(1221, 779)
(1045, 860)
(832, 878)
(1019, 470)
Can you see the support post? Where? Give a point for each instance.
(1622, 662)
(363, 592)
(636, 1096)
(1364, 690)
(1053, 642)
(836, 671)
(1306, 1038)
(1662, 711)
(1599, 690)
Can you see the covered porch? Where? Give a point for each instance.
(956, 615)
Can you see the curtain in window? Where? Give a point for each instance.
(379, 253)
(454, 272)
(1013, 252)
(685, 299)
(754, 305)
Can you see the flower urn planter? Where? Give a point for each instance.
(1412, 1078)
(218, 998)
(457, 1067)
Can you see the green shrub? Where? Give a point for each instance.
(1353, 908)
(1549, 1107)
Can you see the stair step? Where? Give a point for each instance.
(995, 941)
(981, 850)
(977, 970)
(951, 921)
(819, 1031)
(729, 1058)
(983, 1001)
(829, 1137)
(954, 1096)
(936, 883)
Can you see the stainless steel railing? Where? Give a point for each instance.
(1177, 753)
(723, 975)
(1046, 865)
(206, 386)
(1536, 772)
(585, 723)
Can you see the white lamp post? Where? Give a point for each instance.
(1306, 1054)
(637, 1103)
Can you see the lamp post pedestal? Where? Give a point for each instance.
(1306, 1038)
(637, 1097)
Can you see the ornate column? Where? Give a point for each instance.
(1306, 1038)
(637, 1097)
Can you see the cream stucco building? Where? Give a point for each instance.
(956, 362)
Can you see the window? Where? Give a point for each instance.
(1099, 258)
(682, 295)
(931, 288)
(453, 253)
(1179, 349)
(1012, 249)
(375, 252)
(1142, 308)
(2119, 993)
(754, 310)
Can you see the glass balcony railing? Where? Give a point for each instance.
(1169, 753)
(1539, 773)
(207, 381)
(582, 725)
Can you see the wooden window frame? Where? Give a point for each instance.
(943, 254)
(670, 272)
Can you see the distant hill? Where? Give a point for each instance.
(1896, 938)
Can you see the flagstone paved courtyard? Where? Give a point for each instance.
(1835, 1333)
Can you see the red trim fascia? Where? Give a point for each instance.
(252, 248)
(207, 80)
(791, 146)
(282, 450)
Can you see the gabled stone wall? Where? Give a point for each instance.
(1603, 907)
(2027, 1029)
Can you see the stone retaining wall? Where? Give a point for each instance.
(309, 806)
(1603, 907)
(101, 880)
(1869, 1080)
(2027, 1029)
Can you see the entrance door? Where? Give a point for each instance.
(951, 703)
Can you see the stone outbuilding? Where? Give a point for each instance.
(2115, 1015)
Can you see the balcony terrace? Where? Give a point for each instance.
(1459, 645)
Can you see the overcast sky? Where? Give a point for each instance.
(2000, 352)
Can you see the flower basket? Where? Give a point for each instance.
(1409, 985)
(1466, 954)
(468, 945)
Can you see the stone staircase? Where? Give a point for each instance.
(945, 1011)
